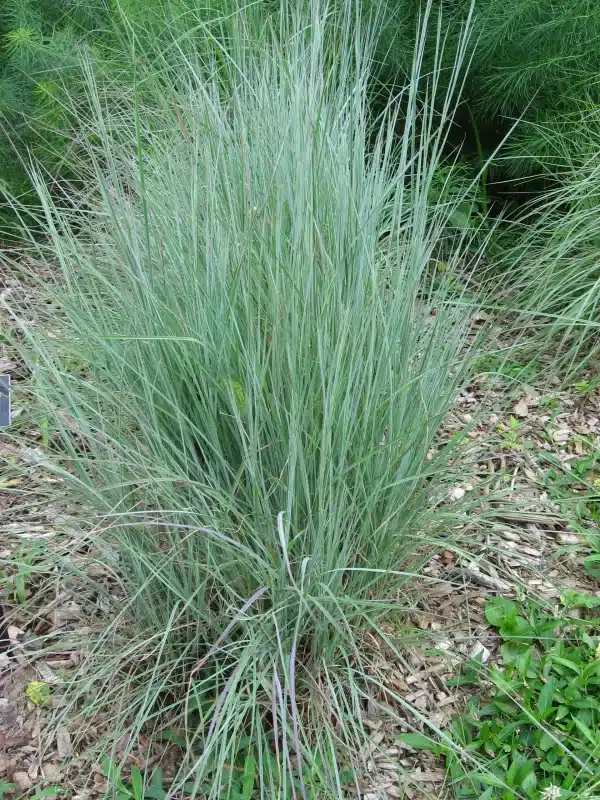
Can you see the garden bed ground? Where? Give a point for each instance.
(534, 541)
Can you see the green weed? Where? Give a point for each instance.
(535, 725)
(27, 562)
(577, 492)
(587, 386)
(135, 788)
(38, 693)
(511, 434)
(510, 370)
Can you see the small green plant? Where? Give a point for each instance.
(510, 434)
(10, 788)
(23, 565)
(38, 693)
(551, 403)
(587, 386)
(573, 599)
(511, 370)
(456, 181)
(577, 492)
(535, 729)
(135, 788)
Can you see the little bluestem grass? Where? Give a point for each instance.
(263, 357)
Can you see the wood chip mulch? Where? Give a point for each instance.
(526, 543)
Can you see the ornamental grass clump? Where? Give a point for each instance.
(251, 358)
(554, 263)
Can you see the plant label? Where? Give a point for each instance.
(4, 401)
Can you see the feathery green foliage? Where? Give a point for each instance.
(47, 51)
(264, 357)
(39, 62)
(539, 61)
(533, 60)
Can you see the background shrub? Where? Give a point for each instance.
(41, 46)
(49, 51)
(527, 59)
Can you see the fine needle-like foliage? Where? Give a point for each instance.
(253, 354)
(43, 85)
(533, 61)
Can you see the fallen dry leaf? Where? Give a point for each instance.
(429, 777)
(22, 780)
(63, 743)
(567, 538)
(399, 684)
(522, 409)
(561, 435)
(480, 651)
(49, 770)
